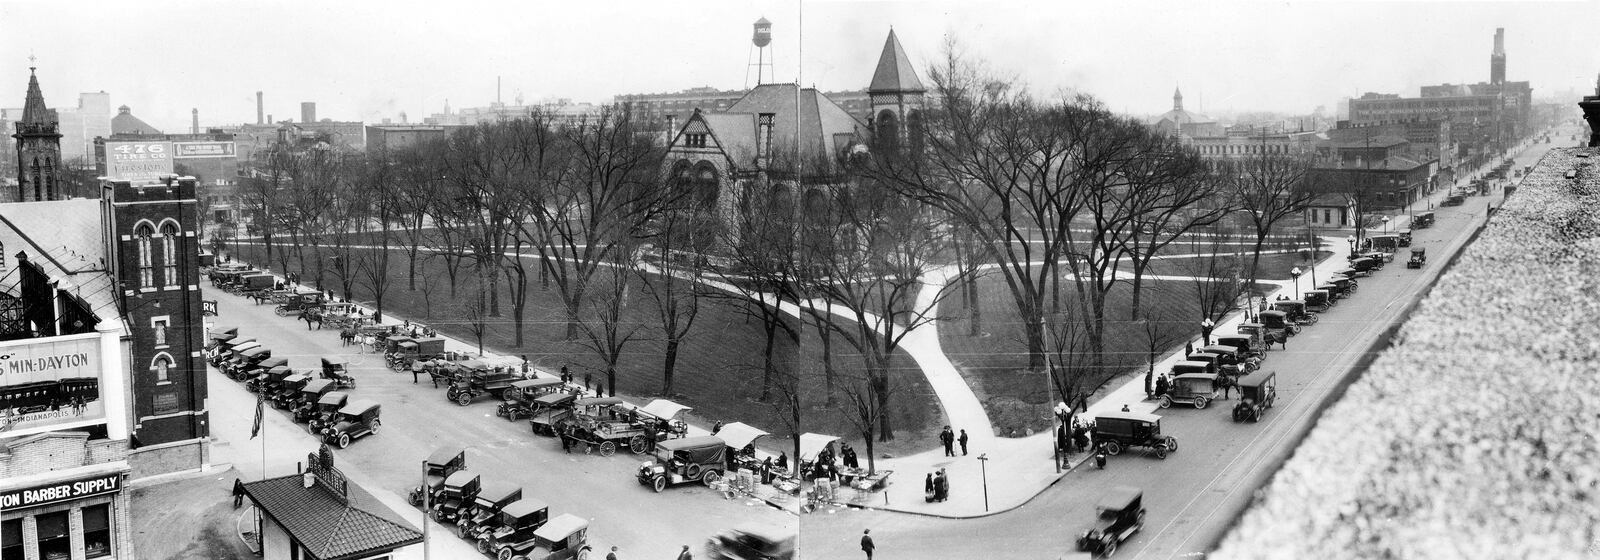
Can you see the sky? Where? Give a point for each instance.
(368, 60)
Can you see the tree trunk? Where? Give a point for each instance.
(975, 325)
(770, 328)
(1255, 261)
(669, 365)
(1139, 265)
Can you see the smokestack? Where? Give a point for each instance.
(194, 121)
(258, 109)
(308, 111)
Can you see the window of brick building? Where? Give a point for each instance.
(141, 236)
(158, 328)
(55, 536)
(169, 254)
(11, 540)
(97, 531)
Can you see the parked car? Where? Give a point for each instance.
(752, 542)
(261, 367)
(305, 406)
(459, 489)
(484, 515)
(518, 521)
(439, 465)
(1257, 393)
(690, 459)
(269, 380)
(356, 420)
(520, 396)
(327, 411)
(1295, 311)
(551, 410)
(1197, 389)
(288, 391)
(1245, 344)
(1120, 515)
(1319, 300)
(479, 380)
(1278, 323)
(1120, 430)
(1422, 220)
(562, 538)
(1419, 257)
(404, 350)
(337, 370)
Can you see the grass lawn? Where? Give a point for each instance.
(995, 362)
(719, 364)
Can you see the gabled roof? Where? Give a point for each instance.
(895, 72)
(33, 110)
(817, 122)
(62, 237)
(331, 528)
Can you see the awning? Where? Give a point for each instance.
(664, 409)
(739, 434)
(812, 444)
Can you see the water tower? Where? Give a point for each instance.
(761, 51)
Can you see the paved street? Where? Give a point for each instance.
(417, 419)
(1193, 495)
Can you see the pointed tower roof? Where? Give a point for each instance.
(1177, 99)
(895, 72)
(33, 110)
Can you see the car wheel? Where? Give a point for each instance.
(659, 484)
(1161, 451)
(710, 478)
(692, 471)
(1166, 402)
(461, 530)
(511, 415)
(1200, 402)
(344, 441)
(1171, 443)
(312, 429)
(374, 427)
(583, 554)
(1113, 448)
(463, 398)
(504, 554)
(638, 445)
(484, 547)
(1110, 547)
(1255, 416)
(415, 498)
(608, 449)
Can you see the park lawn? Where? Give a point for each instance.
(995, 362)
(719, 363)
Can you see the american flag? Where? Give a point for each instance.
(261, 401)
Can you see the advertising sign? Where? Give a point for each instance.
(61, 492)
(138, 160)
(44, 385)
(185, 150)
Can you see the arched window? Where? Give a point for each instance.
(914, 131)
(141, 236)
(886, 133)
(162, 366)
(169, 254)
(707, 186)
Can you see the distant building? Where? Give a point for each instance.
(1245, 141)
(498, 112)
(81, 125)
(401, 136)
(1379, 172)
(1180, 121)
(38, 144)
(320, 514)
(126, 123)
(345, 135)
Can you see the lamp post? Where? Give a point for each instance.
(1352, 241)
(983, 466)
(1385, 225)
(1295, 274)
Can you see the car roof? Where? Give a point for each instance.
(1231, 337)
(691, 443)
(1290, 301)
(525, 507)
(1219, 349)
(561, 527)
(1188, 376)
(496, 490)
(1191, 363)
(1119, 498)
(296, 378)
(1256, 378)
(599, 401)
(536, 383)
(1138, 416)
(333, 397)
(444, 455)
(316, 385)
(1274, 313)
(555, 398)
(357, 407)
(460, 477)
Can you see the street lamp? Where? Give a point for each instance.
(983, 465)
(1385, 225)
(1352, 241)
(1295, 274)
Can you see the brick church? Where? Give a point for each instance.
(101, 379)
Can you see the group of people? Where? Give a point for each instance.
(825, 467)
(949, 439)
(936, 488)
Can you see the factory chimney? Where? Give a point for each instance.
(194, 121)
(258, 109)
(308, 111)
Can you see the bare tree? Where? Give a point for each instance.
(1215, 272)
(1269, 188)
(605, 332)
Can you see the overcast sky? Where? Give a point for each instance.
(370, 60)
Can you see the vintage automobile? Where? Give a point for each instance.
(1335, 293)
(550, 411)
(1247, 345)
(1188, 366)
(690, 459)
(268, 380)
(1456, 198)
(1120, 430)
(251, 284)
(518, 521)
(1347, 285)
(484, 513)
(520, 396)
(260, 367)
(1295, 311)
(300, 302)
(608, 424)
(1229, 357)
(1257, 393)
(218, 337)
(1278, 322)
(1422, 220)
(1318, 300)
(564, 537)
(228, 280)
(224, 349)
(479, 379)
(244, 357)
(1268, 337)
(459, 489)
(288, 390)
(357, 419)
(337, 370)
(439, 465)
(1419, 257)
(326, 411)
(1197, 389)
(1386, 243)
(404, 350)
(752, 542)
(343, 314)
(305, 405)
(1121, 514)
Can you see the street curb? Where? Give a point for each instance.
(1040, 492)
(160, 479)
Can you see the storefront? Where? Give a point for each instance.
(76, 514)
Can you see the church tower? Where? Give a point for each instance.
(897, 99)
(38, 148)
(1177, 99)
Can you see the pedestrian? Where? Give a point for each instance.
(588, 379)
(1161, 385)
(685, 555)
(941, 486)
(963, 440)
(1188, 348)
(238, 493)
(566, 376)
(416, 371)
(783, 461)
(1205, 330)
(948, 438)
(927, 488)
(717, 427)
(850, 457)
(566, 438)
(612, 555)
(766, 470)
(524, 366)
(1125, 408)
(866, 542)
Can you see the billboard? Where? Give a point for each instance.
(138, 160)
(185, 150)
(45, 385)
